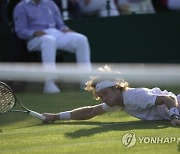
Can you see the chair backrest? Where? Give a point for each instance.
(10, 9)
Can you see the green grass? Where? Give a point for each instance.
(20, 133)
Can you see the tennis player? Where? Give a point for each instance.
(142, 103)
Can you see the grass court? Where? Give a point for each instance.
(21, 133)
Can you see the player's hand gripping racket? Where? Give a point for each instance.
(8, 100)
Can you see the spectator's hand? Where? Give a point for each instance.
(39, 33)
(175, 122)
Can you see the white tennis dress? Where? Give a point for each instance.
(140, 103)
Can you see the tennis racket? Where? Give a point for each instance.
(8, 101)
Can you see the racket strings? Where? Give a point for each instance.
(7, 99)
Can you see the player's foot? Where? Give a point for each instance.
(51, 88)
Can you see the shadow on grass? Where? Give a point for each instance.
(101, 127)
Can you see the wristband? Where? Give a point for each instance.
(173, 110)
(174, 113)
(65, 115)
(174, 116)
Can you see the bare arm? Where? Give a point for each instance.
(171, 103)
(85, 113)
(82, 113)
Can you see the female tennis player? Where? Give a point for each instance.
(142, 103)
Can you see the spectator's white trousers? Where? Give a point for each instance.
(71, 41)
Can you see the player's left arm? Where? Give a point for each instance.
(172, 104)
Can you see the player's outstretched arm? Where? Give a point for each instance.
(82, 113)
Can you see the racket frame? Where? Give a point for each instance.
(26, 110)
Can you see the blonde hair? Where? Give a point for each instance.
(91, 84)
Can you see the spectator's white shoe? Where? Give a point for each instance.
(50, 87)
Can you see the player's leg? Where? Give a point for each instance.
(47, 45)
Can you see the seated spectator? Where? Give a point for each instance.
(135, 6)
(102, 8)
(44, 30)
(166, 5)
(80, 8)
(173, 4)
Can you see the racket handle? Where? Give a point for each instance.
(37, 115)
